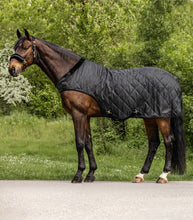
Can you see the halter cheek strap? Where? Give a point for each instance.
(21, 59)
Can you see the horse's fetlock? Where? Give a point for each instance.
(80, 147)
(155, 144)
(167, 169)
(145, 170)
(94, 167)
(81, 168)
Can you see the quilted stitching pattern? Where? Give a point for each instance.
(140, 92)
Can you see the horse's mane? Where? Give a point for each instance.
(62, 51)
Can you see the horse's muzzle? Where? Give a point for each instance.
(14, 72)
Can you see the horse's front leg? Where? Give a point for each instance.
(79, 120)
(89, 149)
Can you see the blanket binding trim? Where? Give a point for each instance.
(71, 71)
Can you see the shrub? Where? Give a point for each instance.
(46, 103)
(12, 90)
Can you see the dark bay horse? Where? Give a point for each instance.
(57, 62)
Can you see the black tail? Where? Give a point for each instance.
(179, 149)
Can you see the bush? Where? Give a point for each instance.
(112, 137)
(12, 90)
(45, 103)
(188, 116)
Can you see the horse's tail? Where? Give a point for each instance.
(179, 148)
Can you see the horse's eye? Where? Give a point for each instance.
(25, 47)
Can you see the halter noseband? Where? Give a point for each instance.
(21, 59)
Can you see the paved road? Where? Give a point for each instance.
(58, 200)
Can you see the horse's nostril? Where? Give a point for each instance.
(12, 70)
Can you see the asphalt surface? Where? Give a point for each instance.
(45, 200)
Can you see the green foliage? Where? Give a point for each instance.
(116, 135)
(45, 100)
(188, 113)
(94, 29)
(176, 56)
(154, 28)
(117, 34)
(45, 103)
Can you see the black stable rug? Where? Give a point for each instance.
(139, 92)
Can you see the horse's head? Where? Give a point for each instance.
(24, 55)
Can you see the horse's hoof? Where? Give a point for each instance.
(77, 179)
(161, 180)
(138, 180)
(89, 179)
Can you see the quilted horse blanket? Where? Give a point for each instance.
(139, 92)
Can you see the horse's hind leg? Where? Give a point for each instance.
(89, 149)
(153, 142)
(164, 127)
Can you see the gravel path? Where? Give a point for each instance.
(50, 200)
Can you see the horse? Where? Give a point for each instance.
(58, 63)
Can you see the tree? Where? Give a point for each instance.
(154, 28)
(114, 33)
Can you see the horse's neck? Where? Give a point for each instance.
(53, 63)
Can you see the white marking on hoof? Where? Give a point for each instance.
(140, 175)
(164, 176)
(139, 178)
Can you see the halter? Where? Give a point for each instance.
(21, 59)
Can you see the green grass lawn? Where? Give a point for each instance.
(33, 148)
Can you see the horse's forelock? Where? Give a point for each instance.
(20, 41)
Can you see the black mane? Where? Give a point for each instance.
(62, 51)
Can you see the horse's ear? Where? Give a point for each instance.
(27, 34)
(18, 34)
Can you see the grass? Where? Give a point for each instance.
(35, 148)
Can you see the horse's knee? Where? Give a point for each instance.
(88, 147)
(80, 144)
